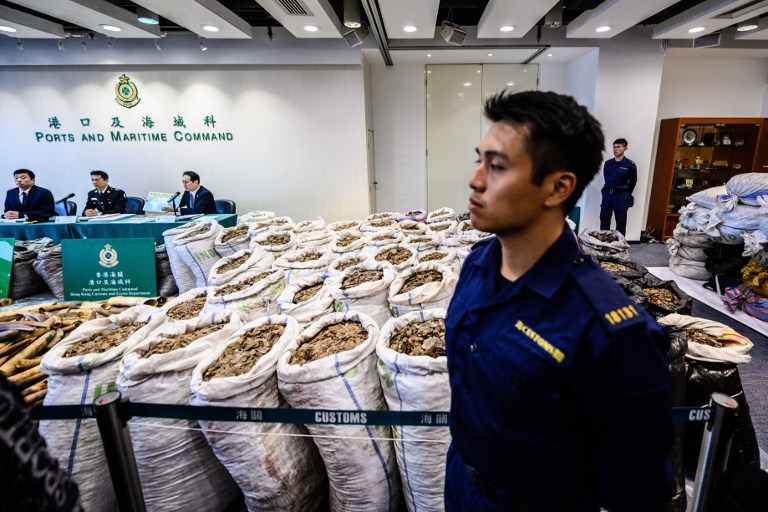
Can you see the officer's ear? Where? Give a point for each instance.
(560, 185)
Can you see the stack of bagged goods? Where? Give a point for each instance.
(80, 368)
(413, 371)
(332, 365)
(196, 249)
(276, 465)
(426, 285)
(306, 299)
(713, 353)
(751, 296)
(177, 469)
(253, 294)
(185, 279)
(687, 255)
(49, 267)
(604, 243)
(24, 280)
(364, 288)
(166, 284)
(738, 211)
(695, 215)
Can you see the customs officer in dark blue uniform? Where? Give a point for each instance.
(620, 175)
(103, 199)
(560, 393)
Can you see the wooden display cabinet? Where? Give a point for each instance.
(694, 154)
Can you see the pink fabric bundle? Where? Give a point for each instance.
(741, 297)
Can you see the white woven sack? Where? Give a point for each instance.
(694, 217)
(348, 241)
(182, 274)
(344, 225)
(257, 300)
(756, 246)
(258, 260)
(262, 239)
(183, 297)
(449, 259)
(307, 311)
(275, 465)
(369, 298)
(467, 234)
(676, 248)
(177, 468)
(691, 238)
(462, 253)
(382, 216)
(377, 225)
(424, 242)
(412, 227)
(306, 226)
(594, 247)
(232, 245)
(198, 251)
(443, 228)
(294, 269)
(343, 259)
(256, 216)
(384, 238)
(763, 213)
(360, 460)
(436, 294)
(80, 380)
(689, 268)
(417, 383)
(728, 226)
(282, 224)
(441, 215)
(319, 238)
(736, 349)
(378, 257)
(747, 188)
(707, 198)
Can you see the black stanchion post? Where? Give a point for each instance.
(111, 416)
(715, 447)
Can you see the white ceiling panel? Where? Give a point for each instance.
(463, 56)
(92, 14)
(520, 14)
(28, 26)
(712, 15)
(421, 14)
(618, 15)
(295, 15)
(562, 55)
(193, 14)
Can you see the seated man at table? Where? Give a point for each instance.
(27, 199)
(196, 198)
(104, 199)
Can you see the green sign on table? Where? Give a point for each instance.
(6, 263)
(96, 269)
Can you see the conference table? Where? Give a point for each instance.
(131, 227)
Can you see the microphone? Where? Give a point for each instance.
(173, 197)
(65, 198)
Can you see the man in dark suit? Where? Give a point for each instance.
(28, 200)
(196, 198)
(104, 199)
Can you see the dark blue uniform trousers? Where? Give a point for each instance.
(614, 204)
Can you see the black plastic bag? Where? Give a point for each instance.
(677, 368)
(48, 266)
(636, 270)
(726, 260)
(683, 305)
(166, 284)
(24, 279)
(634, 291)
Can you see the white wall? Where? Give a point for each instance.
(298, 133)
(581, 79)
(552, 77)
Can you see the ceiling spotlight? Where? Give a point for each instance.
(604, 28)
(429, 55)
(311, 28)
(453, 34)
(549, 55)
(696, 30)
(490, 55)
(109, 43)
(6, 28)
(750, 24)
(352, 14)
(554, 18)
(510, 84)
(202, 46)
(60, 44)
(467, 84)
(507, 28)
(20, 45)
(157, 45)
(85, 44)
(410, 28)
(210, 28)
(144, 15)
(111, 28)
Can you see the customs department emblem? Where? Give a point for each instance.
(108, 257)
(126, 92)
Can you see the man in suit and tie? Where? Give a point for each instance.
(196, 198)
(104, 199)
(27, 199)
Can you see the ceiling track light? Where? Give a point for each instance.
(554, 18)
(157, 45)
(144, 15)
(109, 43)
(60, 44)
(352, 17)
(203, 47)
(20, 45)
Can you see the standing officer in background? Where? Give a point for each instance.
(620, 175)
(27, 199)
(560, 392)
(196, 198)
(104, 199)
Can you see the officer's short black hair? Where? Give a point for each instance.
(103, 175)
(24, 171)
(621, 141)
(562, 135)
(193, 176)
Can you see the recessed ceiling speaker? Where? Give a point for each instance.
(707, 41)
(453, 34)
(355, 37)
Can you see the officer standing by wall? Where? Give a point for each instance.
(104, 199)
(560, 392)
(620, 175)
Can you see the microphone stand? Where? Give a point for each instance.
(175, 211)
